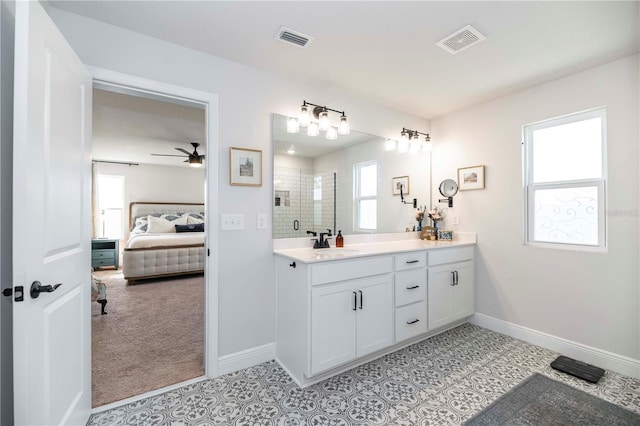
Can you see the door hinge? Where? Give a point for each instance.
(208, 253)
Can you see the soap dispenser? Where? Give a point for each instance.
(339, 240)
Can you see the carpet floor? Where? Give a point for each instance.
(151, 337)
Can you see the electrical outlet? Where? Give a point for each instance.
(261, 221)
(232, 222)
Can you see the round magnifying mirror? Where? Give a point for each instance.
(448, 187)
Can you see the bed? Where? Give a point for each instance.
(166, 239)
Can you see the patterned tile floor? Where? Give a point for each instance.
(443, 380)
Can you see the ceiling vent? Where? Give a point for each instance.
(461, 40)
(287, 35)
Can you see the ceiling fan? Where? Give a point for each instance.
(194, 159)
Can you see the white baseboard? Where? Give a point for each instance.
(601, 358)
(247, 358)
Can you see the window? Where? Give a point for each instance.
(366, 191)
(564, 179)
(111, 205)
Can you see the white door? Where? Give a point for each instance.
(333, 325)
(375, 314)
(51, 235)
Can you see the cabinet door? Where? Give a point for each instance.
(333, 325)
(463, 296)
(375, 314)
(439, 287)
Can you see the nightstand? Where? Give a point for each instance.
(104, 252)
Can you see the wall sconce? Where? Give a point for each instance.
(410, 142)
(321, 113)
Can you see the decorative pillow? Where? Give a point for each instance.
(199, 227)
(161, 225)
(140, 225)
(194, 218)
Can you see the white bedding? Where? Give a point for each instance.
(165, 240)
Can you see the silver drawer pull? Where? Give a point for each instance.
(411, 288)
(413, 322)
(412, 261)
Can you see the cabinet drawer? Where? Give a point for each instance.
(416, 259)
(329, 272)
(103, 262)
(410, 286)
(411, 320)
(437, 257)
(102, 254)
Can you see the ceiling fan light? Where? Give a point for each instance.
(324, 120)
(312, 129)
(343, 128)
(332, 134)
(303, 117)
(195, 162)
(292, 125)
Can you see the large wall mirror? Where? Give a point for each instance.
(345, 184)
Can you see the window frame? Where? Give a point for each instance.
(530, 188)
(357, 198)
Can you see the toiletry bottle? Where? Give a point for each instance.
(339, 240)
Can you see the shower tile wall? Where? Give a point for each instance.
(297, 186)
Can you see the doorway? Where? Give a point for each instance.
(133, 351)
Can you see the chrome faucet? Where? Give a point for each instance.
(323, 242)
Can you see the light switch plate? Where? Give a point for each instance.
(261, 221)
(232, 222)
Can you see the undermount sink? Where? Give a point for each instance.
(335, 252)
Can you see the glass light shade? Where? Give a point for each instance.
(292, 125)
(426, 146)
(415, 136)
(312, 129)
(343, 128)
(291, 150)
(332, 133)
(414, 147)
(390, 145)
(195, 162)
(403, 145)
(404, 136)
(303, 118)
(324, 121)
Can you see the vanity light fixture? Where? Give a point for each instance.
(321, 113)
(413, 136)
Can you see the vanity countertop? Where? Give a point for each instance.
(311, 255)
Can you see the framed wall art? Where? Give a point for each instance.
(471, 178)
(399, 181)
(245, 167)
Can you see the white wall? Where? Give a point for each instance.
(247, 97)
(7, 28)
(154, 183)
(589, 298)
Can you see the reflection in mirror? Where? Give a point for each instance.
(344, 184)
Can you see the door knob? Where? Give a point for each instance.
(37, 288)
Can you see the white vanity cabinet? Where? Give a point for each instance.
(410, 286)
(349, 320)
(451, 294)
(330, 313)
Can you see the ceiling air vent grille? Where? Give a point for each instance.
(461, 40)
(287, 35)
